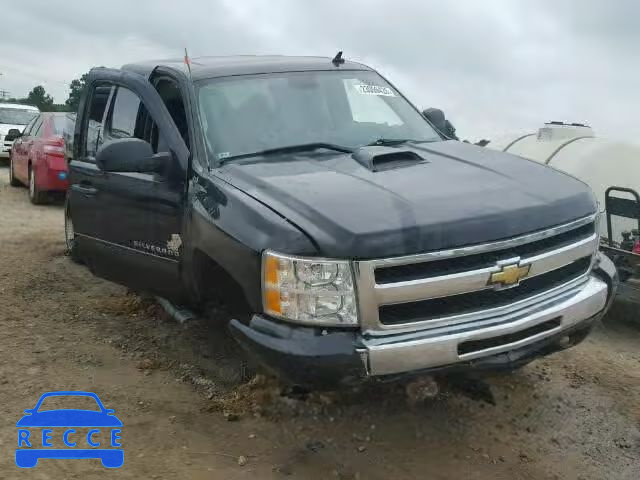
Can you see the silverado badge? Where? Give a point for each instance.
(509, 275)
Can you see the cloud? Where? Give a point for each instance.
(493, 66)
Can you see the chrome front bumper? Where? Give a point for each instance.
(394, 354)
(504, 338)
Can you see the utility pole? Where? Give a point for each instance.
(3, 93)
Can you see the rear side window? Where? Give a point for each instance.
(124, 115)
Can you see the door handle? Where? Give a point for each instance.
(87, 191)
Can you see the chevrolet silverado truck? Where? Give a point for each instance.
(358, 242)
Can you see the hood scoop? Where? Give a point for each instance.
(381, 158)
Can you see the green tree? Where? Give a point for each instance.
(38, 97)
(76, 87)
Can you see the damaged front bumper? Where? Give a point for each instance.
(327, 357)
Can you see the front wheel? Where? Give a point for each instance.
(36, 196)
(13, 181)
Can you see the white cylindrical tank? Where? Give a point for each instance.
(574, 148)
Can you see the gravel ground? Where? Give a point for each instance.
(573, 415)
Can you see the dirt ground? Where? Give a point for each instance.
(573, 415)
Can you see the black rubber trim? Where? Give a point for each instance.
(305, 356)
(507, 361)
(479, 345)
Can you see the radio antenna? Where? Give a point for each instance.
(187, 60)
(338, 60)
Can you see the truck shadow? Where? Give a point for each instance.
(202, 353)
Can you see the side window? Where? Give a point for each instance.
(93, 136)
(35, 127)
(124, 114)
(39, 130)
(27, 129)
(128, 118)
(170, 94)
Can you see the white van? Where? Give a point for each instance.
(13, 116)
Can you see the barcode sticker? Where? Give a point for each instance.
(374, 90)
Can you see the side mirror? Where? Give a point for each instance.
(28, 411)
(130, 155)
(437, 118)
(12, 134)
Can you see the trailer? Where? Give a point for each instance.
(610, 167)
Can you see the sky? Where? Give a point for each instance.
(493, 66)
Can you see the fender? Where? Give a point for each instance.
(232, 229)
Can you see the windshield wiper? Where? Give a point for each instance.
(304, 147)
(390, 142)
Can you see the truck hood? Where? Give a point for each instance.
(5, 127)
(458, 195)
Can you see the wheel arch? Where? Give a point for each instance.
(212, 281)
(226, 232)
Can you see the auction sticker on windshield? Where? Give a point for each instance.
(374, 90)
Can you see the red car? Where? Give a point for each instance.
(38, 156)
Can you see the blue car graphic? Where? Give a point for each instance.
(28, 453)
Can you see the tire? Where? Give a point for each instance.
(13, 181)
(36, 196)
(70, 235)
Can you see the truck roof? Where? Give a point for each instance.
(224, 66)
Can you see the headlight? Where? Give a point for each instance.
(308, 290)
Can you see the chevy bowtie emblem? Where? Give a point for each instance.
(509, 275)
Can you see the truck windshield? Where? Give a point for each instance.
(16, 116)
(242, 115)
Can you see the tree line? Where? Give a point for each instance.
(38, 97)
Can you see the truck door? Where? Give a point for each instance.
(129, 224)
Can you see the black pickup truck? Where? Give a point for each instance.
(359, 241)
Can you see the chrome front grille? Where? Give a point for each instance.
(455, 287)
